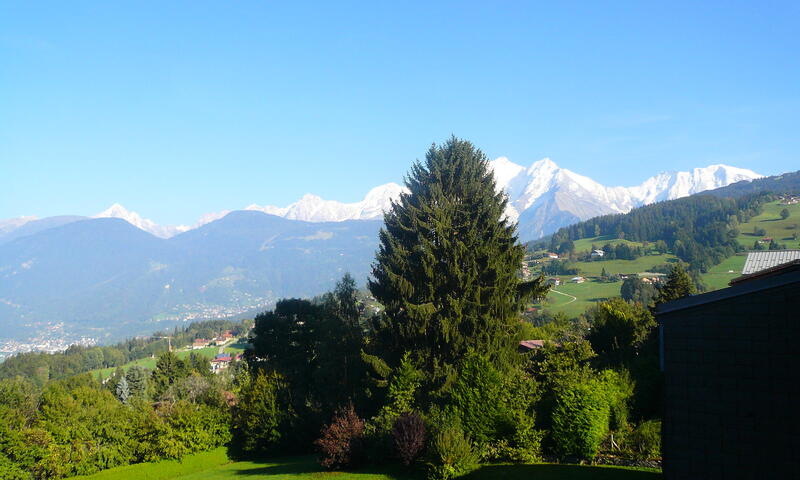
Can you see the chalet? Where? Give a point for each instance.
(577, 279)
(552, 255)
(220, 361)
(729, 361)
(598, 253)
(554, 281)
(199, 343)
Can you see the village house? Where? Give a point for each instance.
(598, 253)
(577, 279)
(552, 255)
(529, 345)
(220, 361)
(554, 281)
(199, 343)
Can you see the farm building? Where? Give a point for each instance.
(554, 281)
(577, 280)
(730, 367)
(598, 253)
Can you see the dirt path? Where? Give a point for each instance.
(566, 295)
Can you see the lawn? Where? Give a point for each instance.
(585, 244)
(573, 299)
(641, 264)
(215, 465)
(777, 228)
(718, 276)
(150, 363)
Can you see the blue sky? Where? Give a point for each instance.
(175, 109)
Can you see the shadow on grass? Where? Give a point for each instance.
(559, 472)
(309, 468)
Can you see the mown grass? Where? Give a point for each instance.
(777, 228)
(585, 244)
(641, 264)
(165, 469)
(586, 295)
(150, 363)
(215, 465)
(718, 276)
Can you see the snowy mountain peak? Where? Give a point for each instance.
(118, 211)
(541, 197)
(312, 208)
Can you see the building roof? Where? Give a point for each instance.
(788, 273)
(531, 344)
(757, 261)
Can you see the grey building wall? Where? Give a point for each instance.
(732, 386)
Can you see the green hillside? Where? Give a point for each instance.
(781, 230)
(150, 362)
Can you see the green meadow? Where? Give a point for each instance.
(215, 465)
(777, 228)
(150, 362)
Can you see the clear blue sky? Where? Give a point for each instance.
(175, 109)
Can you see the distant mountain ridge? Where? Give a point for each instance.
(542, 198)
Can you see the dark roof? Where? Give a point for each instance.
(778, 276)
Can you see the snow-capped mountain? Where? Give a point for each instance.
(545, 197)
(14, 223)
(162, 231)
(542, 198)
(312, 208)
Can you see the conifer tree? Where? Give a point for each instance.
(447, 270)
(122, 391)
(678, 285)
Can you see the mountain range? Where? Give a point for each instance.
(542, 198)
(117, 274)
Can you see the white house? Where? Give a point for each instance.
(597, 253)
(577, 280)
(552, 255)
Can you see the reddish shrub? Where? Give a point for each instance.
(340, 443)
(409, 437)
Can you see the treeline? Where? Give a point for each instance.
(43, 367)
(701, 230)
(438, 380)
(79, 426)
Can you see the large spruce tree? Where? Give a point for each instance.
(447, 271)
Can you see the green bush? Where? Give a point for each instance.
(645, 441)
(580, 419)
(451, 454)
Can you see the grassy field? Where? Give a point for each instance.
(150, 363)
(777, 228)
(585, 244)
(573, 299)
(215, 465)
(718, 276)
(641, 264)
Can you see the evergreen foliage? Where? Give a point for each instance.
(122, 391)
(260, 414)
(678, 285)
(447, 268)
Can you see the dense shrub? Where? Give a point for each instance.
(580, 419)
(259, 414)
(341, 443)
(645, 441)
(451, 454)
(408, 436)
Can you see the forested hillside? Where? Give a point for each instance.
(701, 230)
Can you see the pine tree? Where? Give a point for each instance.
(137, 380)
(122, 392)
(447, 267)
(679, 284)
